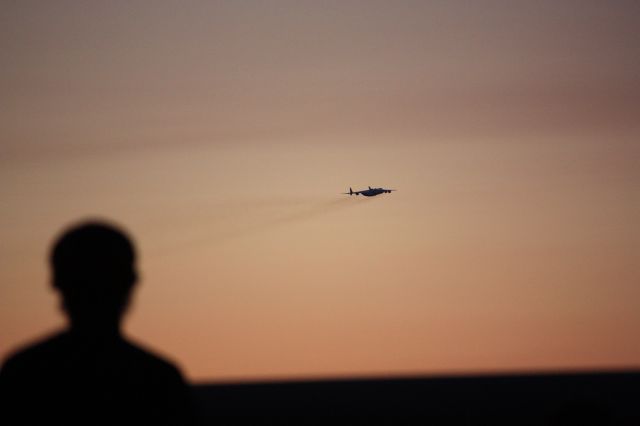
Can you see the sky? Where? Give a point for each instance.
(221, 135)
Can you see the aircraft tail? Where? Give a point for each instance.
(350, 191)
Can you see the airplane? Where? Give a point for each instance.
(371, 192)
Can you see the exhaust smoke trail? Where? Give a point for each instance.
(313, 211)
(295, 212)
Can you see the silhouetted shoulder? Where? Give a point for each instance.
(68, 376)
(152, 363)
(63, 350)
(32, 357)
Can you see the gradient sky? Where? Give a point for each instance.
(221, 134)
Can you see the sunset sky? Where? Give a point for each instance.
(221, 135)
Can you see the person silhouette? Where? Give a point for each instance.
(89, 373)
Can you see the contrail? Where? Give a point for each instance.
(318, 209)
(300, 214)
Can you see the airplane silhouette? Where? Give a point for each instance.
(371, 192)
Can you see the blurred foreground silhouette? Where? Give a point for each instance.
(90, 374)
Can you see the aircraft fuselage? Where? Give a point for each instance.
(371, 192)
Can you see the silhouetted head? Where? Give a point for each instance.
(93, 268)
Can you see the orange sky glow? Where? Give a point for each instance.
(221, 134)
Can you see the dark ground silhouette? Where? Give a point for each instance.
(89, 373)
(558, 399)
